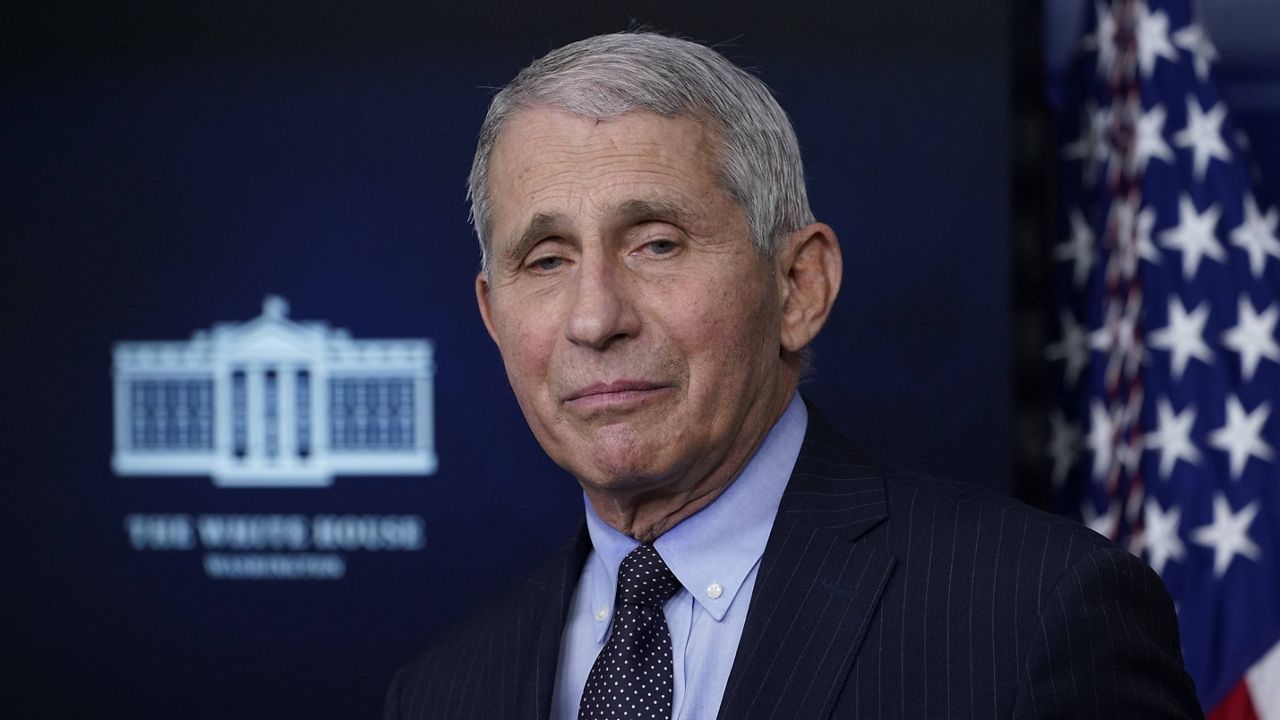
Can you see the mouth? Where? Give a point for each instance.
(617, 395)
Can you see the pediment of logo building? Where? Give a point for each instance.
(272, 341)
(271, 335)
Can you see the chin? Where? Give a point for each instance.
(626, 466)
(620, 472)
(617, 457)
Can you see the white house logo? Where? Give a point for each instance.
(273, 402)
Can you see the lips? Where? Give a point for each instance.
(619, 394)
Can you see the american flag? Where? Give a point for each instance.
(1167, 434)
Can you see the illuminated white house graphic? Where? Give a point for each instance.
(274, 402)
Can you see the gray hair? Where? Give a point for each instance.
(605, 76)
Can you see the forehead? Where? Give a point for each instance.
(551, 161)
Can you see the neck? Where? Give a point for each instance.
(647, 514)
(645, 519)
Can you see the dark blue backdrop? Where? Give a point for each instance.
(144, 200)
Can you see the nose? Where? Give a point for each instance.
(602, 312)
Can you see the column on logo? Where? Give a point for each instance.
(287, 402)
(320, 412)
(422, 404)
(256, 377)
(222, 415)
(123, 409)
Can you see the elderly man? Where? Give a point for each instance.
(652, 277)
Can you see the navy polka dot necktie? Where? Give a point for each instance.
(632, 676)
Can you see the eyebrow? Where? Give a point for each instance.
(628, 212)
(635, 211)
(539, 227)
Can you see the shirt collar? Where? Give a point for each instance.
(712, 551)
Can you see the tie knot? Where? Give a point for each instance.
(645, 579)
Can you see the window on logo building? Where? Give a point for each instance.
(171, 414)
(239, 413)
(371, 413)
(302, 412)
(271, 413)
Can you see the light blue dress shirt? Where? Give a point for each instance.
(715, 554)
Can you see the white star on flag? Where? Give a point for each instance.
(1135, 243)
(1101, 434)
(1118, 338)
(1064, 444)
(1073, 348)
(1091, 146)
(1152, 37)
(1194, 236)
(1253, 336)
(1241, 437)
(1160, 535)
(1104, 524)
(1228, 535)
(1193, 39)
(1079, 249)
(1104, 40)
(1149, 140)
(1173, 437)
(1256, 235)
(1142, 236)
(1183, 336)
(1203, 136)
(1128, 454)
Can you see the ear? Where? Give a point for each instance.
(809, 272)
(482, 300)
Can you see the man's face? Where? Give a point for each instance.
(639, 327)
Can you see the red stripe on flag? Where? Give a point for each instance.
(1237, 705)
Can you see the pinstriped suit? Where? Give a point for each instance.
(881, 594)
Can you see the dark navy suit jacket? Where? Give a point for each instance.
(881, 594)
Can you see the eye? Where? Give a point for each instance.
(661, 247)
(546, 263)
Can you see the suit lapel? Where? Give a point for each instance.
(541, 624)
(816, 589)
